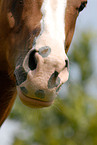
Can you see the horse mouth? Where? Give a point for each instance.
(34, 103)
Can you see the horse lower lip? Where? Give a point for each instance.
(34, 103)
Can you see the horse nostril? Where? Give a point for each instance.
(32, 63)
(66, 63)
(54, 80)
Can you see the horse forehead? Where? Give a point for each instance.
(53, 12)
(54, 4)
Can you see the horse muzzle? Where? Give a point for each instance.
(40, 76)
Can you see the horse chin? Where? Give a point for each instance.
(32, 102)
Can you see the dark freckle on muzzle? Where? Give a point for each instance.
(45, 51)
(54, 80)
(20, 75)
(24, 90)
(40, 94)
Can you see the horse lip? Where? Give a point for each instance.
(34, 103)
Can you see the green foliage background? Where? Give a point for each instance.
(72, 120)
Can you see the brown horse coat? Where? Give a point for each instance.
(34, 39)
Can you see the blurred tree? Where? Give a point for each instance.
(72, 120)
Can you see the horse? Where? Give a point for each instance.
(35, 36)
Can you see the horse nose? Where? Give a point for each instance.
(33, 62)
(41, 75)
(49, 70)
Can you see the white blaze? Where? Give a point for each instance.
(53, 20)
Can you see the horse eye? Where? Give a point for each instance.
(21, 1)
(82, 6)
